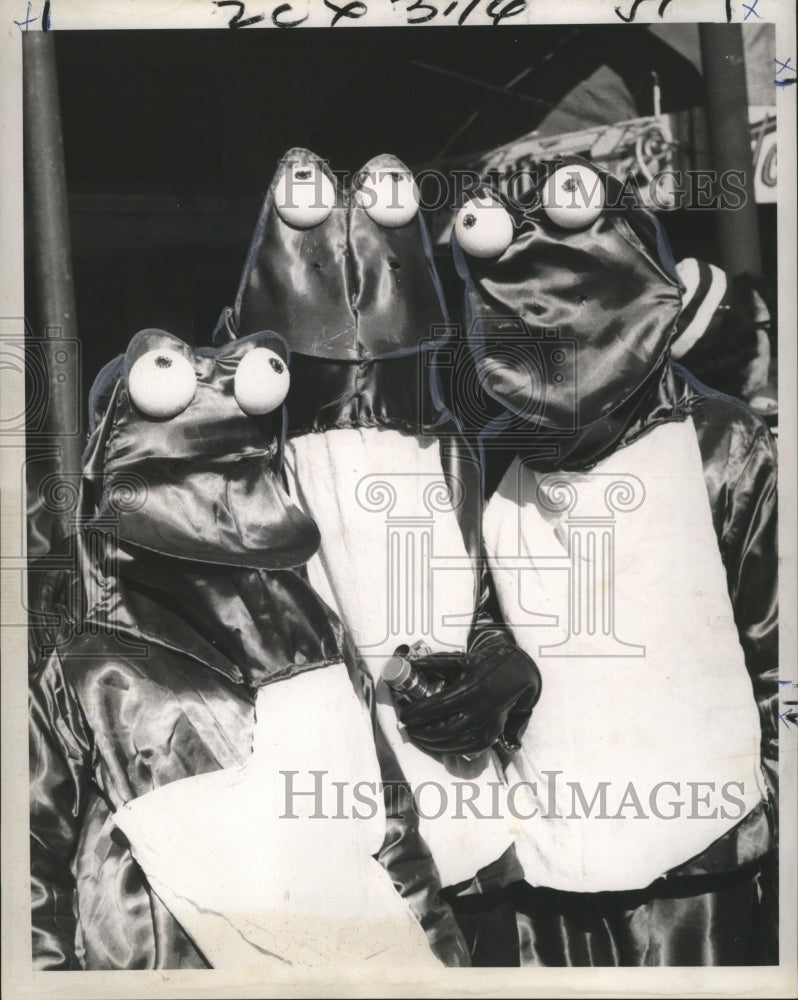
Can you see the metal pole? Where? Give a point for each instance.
(47, 236)
(730, 143)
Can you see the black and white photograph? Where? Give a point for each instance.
(398, 498)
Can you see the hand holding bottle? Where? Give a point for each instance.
(485, 696)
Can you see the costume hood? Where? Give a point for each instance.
(571, 301)
(198, 484)
(344, 271)
(190, 540)
(352, 285)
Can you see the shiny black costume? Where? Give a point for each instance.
(609, 288)
(190, 572)
(357, 297)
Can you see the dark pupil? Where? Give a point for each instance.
(469, 221)
(277, 365)
(302, 175)
(163, 362)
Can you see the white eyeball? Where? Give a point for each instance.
(261, 381)
(389, 197)
(162, 383)
(304, 195)
(573, 196)
(483, 226)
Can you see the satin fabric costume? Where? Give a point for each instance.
(569, 329)
(372, 454)
(197, 611)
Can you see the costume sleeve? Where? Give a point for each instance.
(749, 544)
(488, 623)
(59, 768)
(408, 861)
(490, 632)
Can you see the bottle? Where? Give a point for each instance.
(405, 682)
(408, 684)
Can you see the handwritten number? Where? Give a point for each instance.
(238, 20)
(633, 12)
(429, 11)
(285, 8)
(628, 18)
(464, 16)
(420, 11)
(510, 9)
(355, 9)
(46, 16)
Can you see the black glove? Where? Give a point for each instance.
(496, 686)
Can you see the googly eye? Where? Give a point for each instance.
(573, 196)
(304, 195)
(483, 226)
(162, 383)
(261, 381)
(389, 197)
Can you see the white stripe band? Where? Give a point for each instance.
(690, 336)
